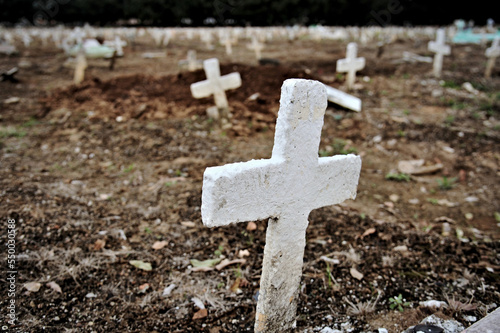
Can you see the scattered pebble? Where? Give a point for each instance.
(394, 197)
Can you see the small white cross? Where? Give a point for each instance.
(215, 84)
(257, 47)
(492, 53)
(118, 45)
(351, 64)
(440, 48)
(285, 189)
(228, 42)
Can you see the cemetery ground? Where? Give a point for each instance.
(105, 178)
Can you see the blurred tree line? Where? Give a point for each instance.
(242, 12)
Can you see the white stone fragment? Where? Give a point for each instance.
(432, 304)
(343, 99)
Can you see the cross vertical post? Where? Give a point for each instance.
(492, 53)
(285, 189)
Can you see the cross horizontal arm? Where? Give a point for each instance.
(202, 89)
(230, 81)
(240, 192)
(337, 178)
(345, 65)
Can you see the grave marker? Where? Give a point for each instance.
(81, 65)
(191, 62)
(118, 46)
(228, 42)
(6, 48)
(215, 84)
(207, 38)
(343, 99)
(351, 64)
(257, 47)
(492, 53)
(285, 189)
(440, 49)
(488, 324)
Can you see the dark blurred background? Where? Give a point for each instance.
(243, 12)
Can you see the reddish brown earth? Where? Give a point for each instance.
(90, 193)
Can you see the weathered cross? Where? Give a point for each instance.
(285, 189)
(440, 48)
(492, 53)
(228, 42)
(215, 84)
(118, 46)
(257, 47)
(351, 64)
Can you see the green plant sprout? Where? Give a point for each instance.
(338, 147)
(129, 168)
(398, 303)
(399, 177)
(432, 201)
(219, 250)
(497, 216)
(446, 183)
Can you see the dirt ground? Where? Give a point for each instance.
(110, 171)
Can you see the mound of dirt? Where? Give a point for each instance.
(148, 97)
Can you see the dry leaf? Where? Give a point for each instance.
(143, 287)
(205, 265)
(356, 274)
(159, 245)
(189, 224)
(202, 313)
(99, 244)
(227, 262)
(32, 286)
(367, 232)
(54, 286)
(236, 285)
(145, 266)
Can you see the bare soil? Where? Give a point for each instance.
(90, 193)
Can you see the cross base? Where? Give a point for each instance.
(221, 115)
(281, 274)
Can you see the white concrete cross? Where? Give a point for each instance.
(440, 48)
(351, 64)
(118, 46)
(215, 84)
(492, 53)
(191, 62)
(285, 189)
(228, 42)
(207, 38)
(257, 47)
